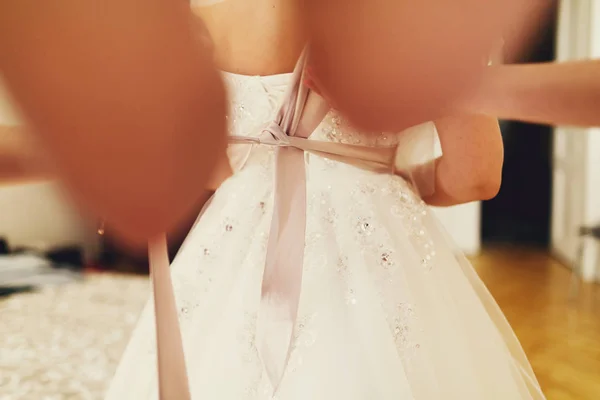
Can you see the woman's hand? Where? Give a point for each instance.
(391, 64)
(125, 101)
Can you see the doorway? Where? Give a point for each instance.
(521, 212)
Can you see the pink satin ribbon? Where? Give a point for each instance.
(300, 114)
(282, 279)
(172, 374)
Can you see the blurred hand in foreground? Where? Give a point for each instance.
(390, 64)
(125, 99)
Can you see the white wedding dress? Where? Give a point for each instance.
(388, 309)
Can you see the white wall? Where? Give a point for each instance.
(591, 267)
(463, 223)
(576, 197)
(37, 215)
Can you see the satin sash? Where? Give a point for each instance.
(300, 114)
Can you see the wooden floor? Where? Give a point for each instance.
(560, 335)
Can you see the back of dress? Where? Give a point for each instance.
(380, 304)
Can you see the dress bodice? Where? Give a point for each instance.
(254, 101)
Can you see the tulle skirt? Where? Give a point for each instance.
(389, 308)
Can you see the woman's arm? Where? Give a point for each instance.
(552, 93)
(470, 168)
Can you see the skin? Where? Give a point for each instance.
(98, 56)
(265, 38)
(368, 54)
(124, 99)
(551, 93)
(262, 37)
(363, 70)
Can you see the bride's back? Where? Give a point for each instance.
(254, 37)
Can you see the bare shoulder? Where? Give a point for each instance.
(253, 37)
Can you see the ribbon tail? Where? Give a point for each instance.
(282, 279)
(172, 374)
